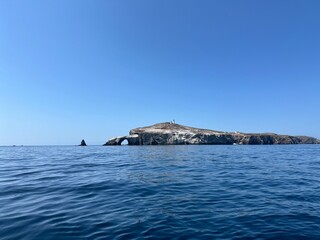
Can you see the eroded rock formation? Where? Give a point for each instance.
(175, 134)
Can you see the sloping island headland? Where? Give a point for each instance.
(169, 133)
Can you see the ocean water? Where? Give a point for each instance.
(160, 192)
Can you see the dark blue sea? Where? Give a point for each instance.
(160, 192)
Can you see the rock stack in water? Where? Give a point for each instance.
(83, 143)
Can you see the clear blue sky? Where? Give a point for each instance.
(95, 69)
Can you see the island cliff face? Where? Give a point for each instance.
(175, 134)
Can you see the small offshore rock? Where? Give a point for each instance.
(83, 143)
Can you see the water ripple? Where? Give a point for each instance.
(160, 192)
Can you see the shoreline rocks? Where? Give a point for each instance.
(169, 133)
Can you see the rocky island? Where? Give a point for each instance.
(170, 133)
